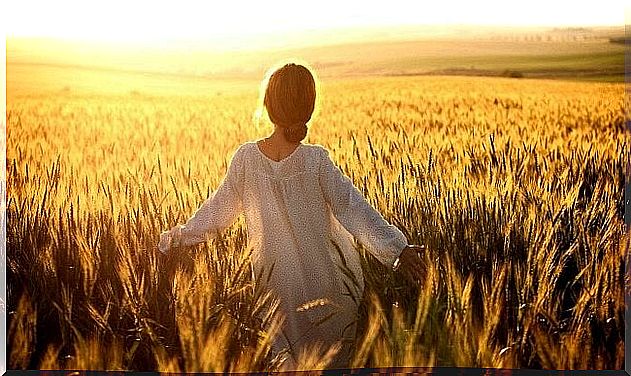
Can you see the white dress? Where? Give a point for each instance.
(299, 213)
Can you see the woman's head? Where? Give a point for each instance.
(289, 99)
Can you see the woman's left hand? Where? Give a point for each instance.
(168, 238)
(410, 263)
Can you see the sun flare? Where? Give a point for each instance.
(235, 23)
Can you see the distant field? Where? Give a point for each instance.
(604, 66)
(55, 79)
(49, 66)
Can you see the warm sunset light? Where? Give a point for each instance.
(230, 23)
(263, 186)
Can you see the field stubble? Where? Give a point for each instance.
(516, 188)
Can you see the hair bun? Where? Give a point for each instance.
(295, 133)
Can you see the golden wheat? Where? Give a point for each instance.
(516, 187)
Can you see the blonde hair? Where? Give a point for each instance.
(288, 94)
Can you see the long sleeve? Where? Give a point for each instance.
(383, 240)
(218, 212)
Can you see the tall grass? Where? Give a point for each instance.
(516, 188)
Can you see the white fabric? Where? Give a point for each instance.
(275, 165)
(294, 214)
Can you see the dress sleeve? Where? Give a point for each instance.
(218, 212)
(383, 240)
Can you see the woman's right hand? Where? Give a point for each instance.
(411, 264)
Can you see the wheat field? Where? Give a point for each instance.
(516, 187)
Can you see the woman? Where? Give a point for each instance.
(301, 215)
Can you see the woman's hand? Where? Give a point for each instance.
(168, 238)
(410, 263)
(165, 241)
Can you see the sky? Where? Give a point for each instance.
(146, 20)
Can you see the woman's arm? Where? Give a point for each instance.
(385, 241)
(218, 212)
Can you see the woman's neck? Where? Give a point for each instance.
(276, 147)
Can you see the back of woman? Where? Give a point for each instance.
(291, 226)
(302, 216)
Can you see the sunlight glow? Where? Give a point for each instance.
(232, 22)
